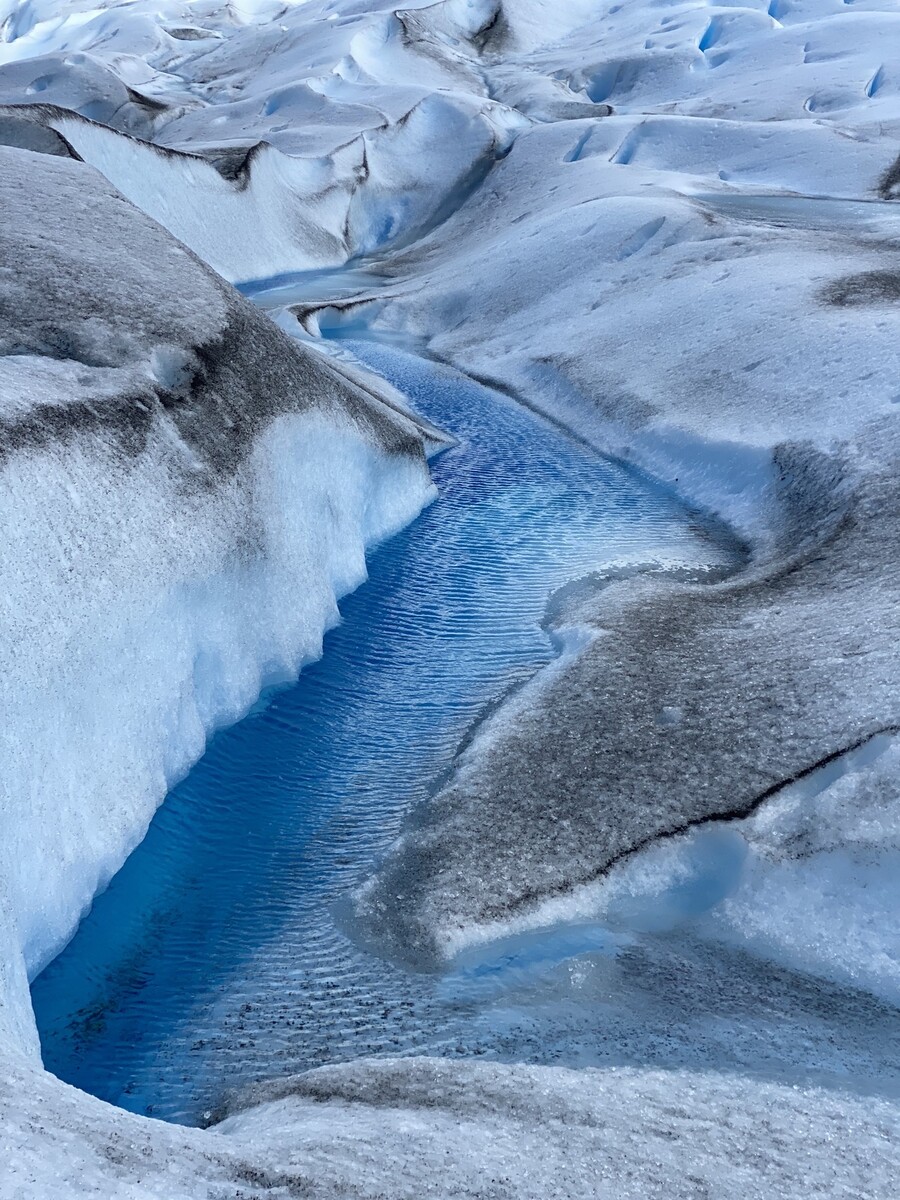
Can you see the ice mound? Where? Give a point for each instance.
(538, 1132)
(187, 493)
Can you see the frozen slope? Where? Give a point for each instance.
(185, 495)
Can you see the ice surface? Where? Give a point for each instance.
(704, 282)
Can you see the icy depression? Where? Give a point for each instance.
(573, 852)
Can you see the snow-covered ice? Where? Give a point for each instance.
(669, 227)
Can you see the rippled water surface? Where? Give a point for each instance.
(215, 957)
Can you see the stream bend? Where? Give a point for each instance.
(214, 959)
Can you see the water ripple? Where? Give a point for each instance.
(214, 958)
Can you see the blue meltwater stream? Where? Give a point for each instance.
(215, 958)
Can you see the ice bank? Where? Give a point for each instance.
(185, 495)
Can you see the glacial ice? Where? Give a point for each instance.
(162, 514)
(195, 991)
(671, 229)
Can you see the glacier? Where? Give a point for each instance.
(670, 230)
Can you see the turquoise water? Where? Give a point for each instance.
(217, 956)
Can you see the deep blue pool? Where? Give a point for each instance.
(215, 957)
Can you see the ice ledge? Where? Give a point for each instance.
(175, 473)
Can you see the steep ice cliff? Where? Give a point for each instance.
(185, 495)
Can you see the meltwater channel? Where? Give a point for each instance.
(215, 957)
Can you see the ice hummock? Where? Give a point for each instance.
(175, 474)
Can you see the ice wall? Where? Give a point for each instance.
(185, 494)
(308, 212)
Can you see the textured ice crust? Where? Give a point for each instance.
(185, 495)
(514, 1131)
